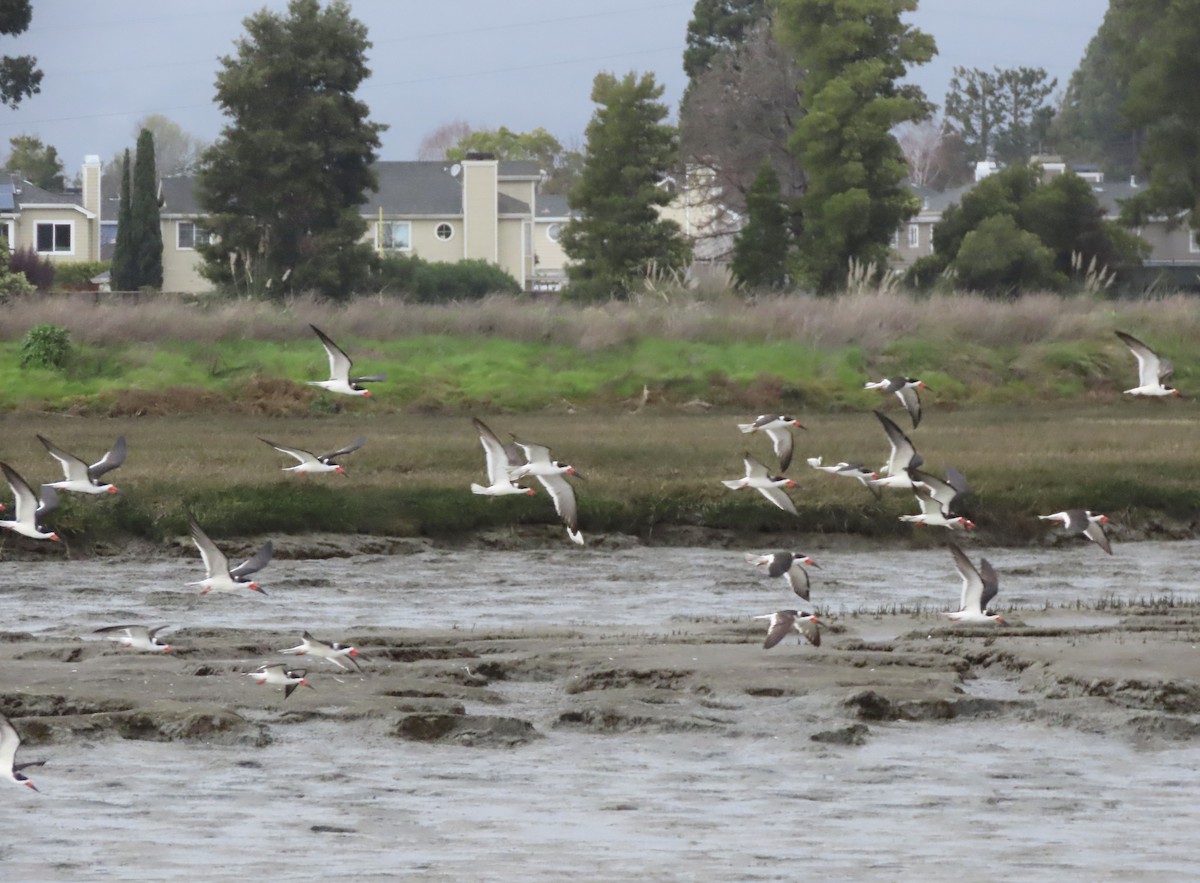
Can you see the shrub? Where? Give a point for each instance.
(78, 274)
(39, 271)
(46, 346)
(435, 282)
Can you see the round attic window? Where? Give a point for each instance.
(553, 232)
(444, 232)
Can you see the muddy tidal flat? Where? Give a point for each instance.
(606, 714)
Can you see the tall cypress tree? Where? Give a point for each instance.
(121, 275)
(147, 234)
(761, 249)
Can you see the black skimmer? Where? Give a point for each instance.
(502, 461)
(338, 654)
(788, 565)
(979, 587)
(552, 474)
(219, 576)
(784, 622)
(79, 476)
(851, 470)
(1084, 522)
(9, 742)
(1153, 369)
(279, 675)
(905, 389)
(137, 637)
(902, 458)
(340, 380)
(780, 431)
(310, 462)
(940, 501)
(758, 477)
(29, 509)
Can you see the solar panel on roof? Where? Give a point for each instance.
(6, 198)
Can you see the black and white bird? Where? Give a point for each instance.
(312, 463)
(1084, 522)
(770, 486)
(219, 577)
(856, 471)
(279, 675)
(552, 475)
(340, 365)
(1153, 369)
(779, 430)
(502, 461)
(338, 654)
(978, 588)
(790, 566)
(78, 476)
(29, 509)
(137, 637)
(9, 769)
(905, 389)
(903, 457)
(783, 622)
(941, 502)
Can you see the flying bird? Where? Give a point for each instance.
(502, 461)
(137, 637)
(219, 576)
(340, 380)
(310, 462)
(552, 475)
(1084, 522)
(279, 675)
(905, 389)
(940, 501)
(851, 470)
(783, 622)
(338, 654)
(29, 509)
(1153, 369)
(9, 742)
(790, 566)
(79, 476)
(979, 587)
(758, 477)
(903, 457)
(779, 429)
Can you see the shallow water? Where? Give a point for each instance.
(994, 799)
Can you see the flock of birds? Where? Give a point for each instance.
(941, 503)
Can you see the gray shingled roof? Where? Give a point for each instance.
(552, 205)
(25, 193)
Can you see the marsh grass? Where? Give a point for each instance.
(1132, 460)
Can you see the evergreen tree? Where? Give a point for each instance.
(975, 109)
(716, 26)
(146, 252)
(37, 162)
(122, 275)
(854, 53)
(630, 152)
(284, 183)
(760, 250)
(19, 78)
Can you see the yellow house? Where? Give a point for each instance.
(61, 227)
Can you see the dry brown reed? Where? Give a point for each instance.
(868, 318)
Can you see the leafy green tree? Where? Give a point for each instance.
(1062, 214)
(854, 54)
(760, 250)
(975, 109)
(284, 183)
(561, 166)
(716, 26)
(38, 162)
(1158, 49)
(122, 274)
(1023, 92)
(998, 257)
(619, 236)
(19, 76)
(146, 251)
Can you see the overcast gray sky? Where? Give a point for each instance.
(517, 64)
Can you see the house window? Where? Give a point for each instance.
(54, 237)
(393, 236)
(553, 232)
(191, 236)
(108, 232)
(444, 232)
(914, 236)
(6, 234)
